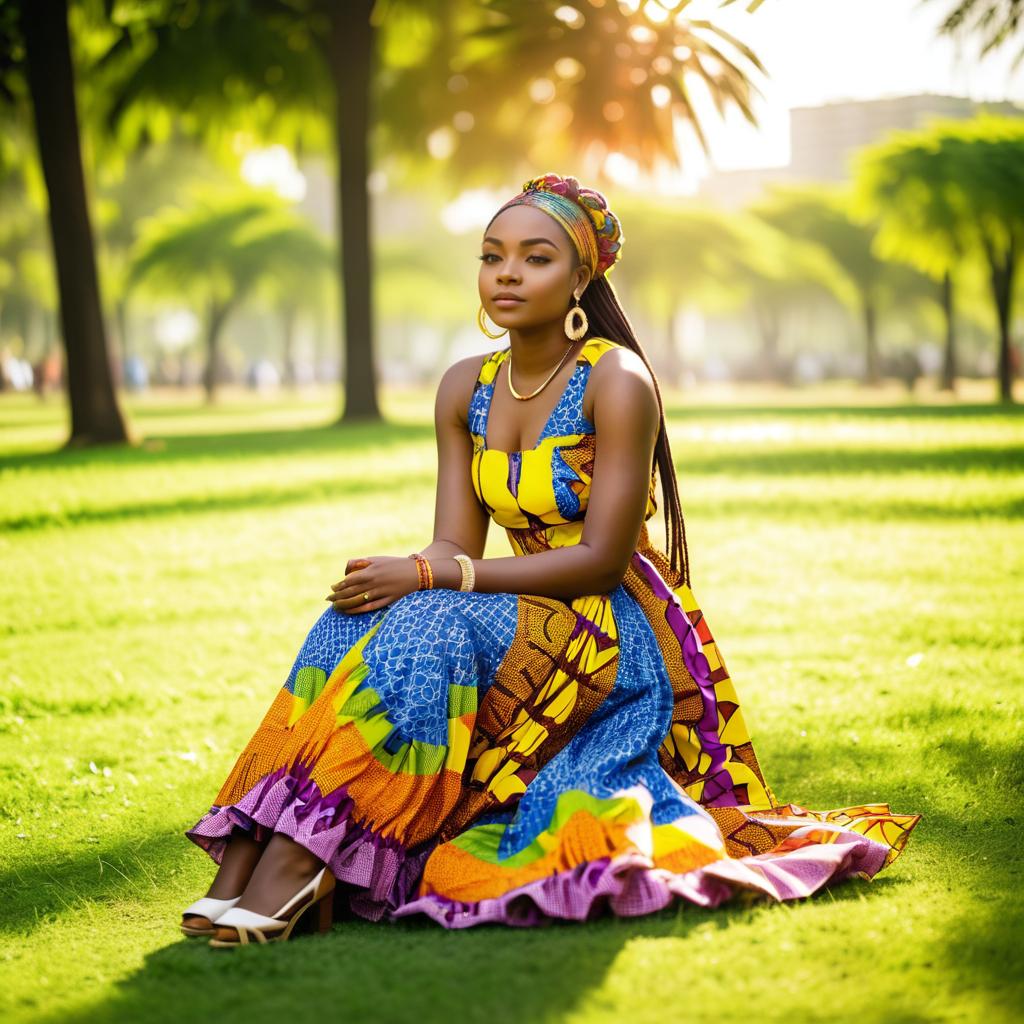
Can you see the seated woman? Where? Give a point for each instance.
(536, 736)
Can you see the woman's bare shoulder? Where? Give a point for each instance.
(619, 376)
(455, 388)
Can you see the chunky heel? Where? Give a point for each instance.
(326, 913)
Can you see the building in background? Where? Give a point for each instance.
(823, 139)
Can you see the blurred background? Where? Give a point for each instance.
(287, 196)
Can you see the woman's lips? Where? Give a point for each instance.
(507, 303)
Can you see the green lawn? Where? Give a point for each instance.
(858, 559)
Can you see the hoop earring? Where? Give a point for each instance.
(575, 333)
(482, 324)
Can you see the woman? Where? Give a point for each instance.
(536, 736)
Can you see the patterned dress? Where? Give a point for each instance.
(514, 758)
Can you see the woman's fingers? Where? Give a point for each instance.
(359, 605)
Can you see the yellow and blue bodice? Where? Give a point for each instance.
(541, 493)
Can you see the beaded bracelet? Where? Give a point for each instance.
(424, 573)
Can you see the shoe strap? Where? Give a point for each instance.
(208, 906)
(310, 887)
(239, 917)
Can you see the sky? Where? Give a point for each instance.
(818, 51)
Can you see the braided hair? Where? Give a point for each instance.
(607, 319)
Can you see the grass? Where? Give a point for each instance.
(858, 559)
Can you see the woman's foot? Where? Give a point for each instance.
(283, 869)
(237, 865)
(240, 858)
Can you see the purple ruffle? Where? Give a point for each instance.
(629, 886)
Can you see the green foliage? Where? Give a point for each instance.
(946, 193)
(223, 243)
(996, 22)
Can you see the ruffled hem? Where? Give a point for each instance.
(629, 886)
(380, 871)
(378, 875)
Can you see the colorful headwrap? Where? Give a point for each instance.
(583, 212)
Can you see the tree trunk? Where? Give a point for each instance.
(768, 329)
(1002, 274)
(121, 319)
(288, 317)
(673, 364)
(872, 376)
(218, 314)
(350, 57)
(95, 415)
(947, 382)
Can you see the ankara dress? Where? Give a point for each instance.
(512, 758)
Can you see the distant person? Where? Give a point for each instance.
(909, 369)
(47, 374)
(522, 738)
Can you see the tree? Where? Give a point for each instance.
(901, 183)
(820, 214)
(438, 72)
(957, 191)
(41, 28)
(218, 249)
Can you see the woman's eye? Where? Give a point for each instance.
(487, 255)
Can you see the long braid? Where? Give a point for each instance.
(607, 319)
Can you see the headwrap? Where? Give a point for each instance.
(583, 212)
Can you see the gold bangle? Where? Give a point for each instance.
(468, 572)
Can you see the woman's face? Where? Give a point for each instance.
(526, 252)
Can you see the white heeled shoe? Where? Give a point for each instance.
(248, 925)
(209, 908)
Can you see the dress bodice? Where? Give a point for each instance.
(541, 491)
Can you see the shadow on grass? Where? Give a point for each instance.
(163, 449)
(416, 970)
(409, 970)
(333, 444)
(235, 501)
(967, 844)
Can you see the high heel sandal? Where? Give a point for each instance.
(206, 907)
(248, 925)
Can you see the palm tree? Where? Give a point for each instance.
(902, 183)
(439, 72)
(996, 21)
(218, 250)
(970, 199)
(316, 58)
(546, 80)
(821, 215)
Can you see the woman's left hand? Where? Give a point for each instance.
(384, 577)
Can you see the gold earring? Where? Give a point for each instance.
(571, 332)
(482, 324)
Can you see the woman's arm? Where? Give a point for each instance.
(626, 418)
(460, 521)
